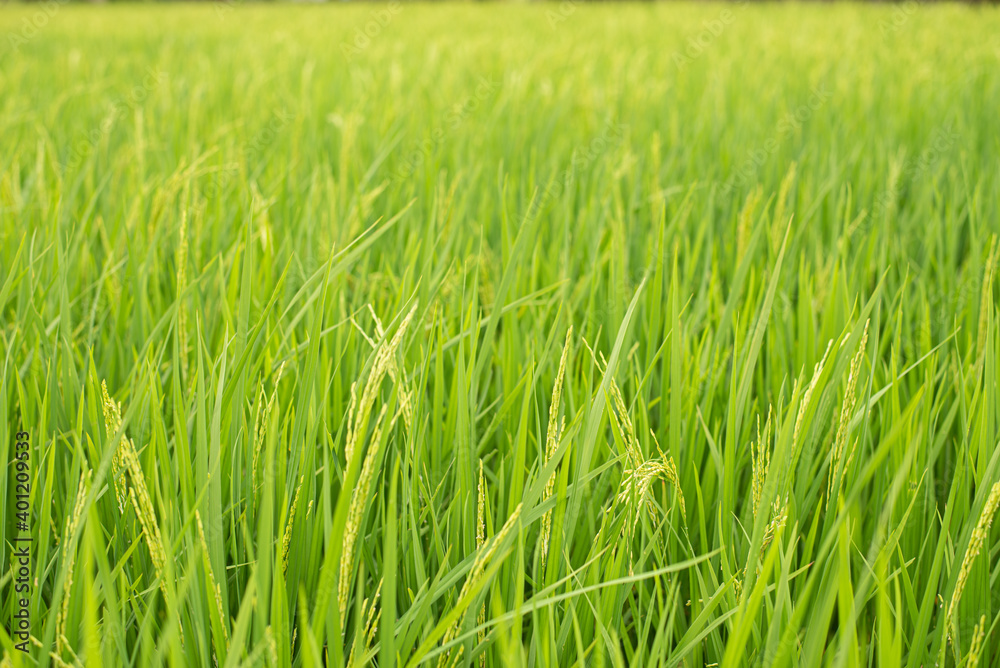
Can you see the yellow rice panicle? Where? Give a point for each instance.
(760, 453)
(211, 576)
(979, 536)
(359, 409)
(131, 484)
(807, 395)
(480, 541)
(356, 509)
(286, 540)
(986, 296)
(483, 557)
(976, 646)
(371, 621)
(112, 423)
(552, 436)
(840, 446)
(69, 554)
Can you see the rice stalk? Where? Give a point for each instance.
(638, 477)
(482, 559)
(979, 535)
(69, 555)
(133, 480)
(371, 619)
(841, 455)
(182, 253)
(976, 646)
(356, 511)
(359, 408)
(213, 585)
(480, 541)
(760, 454)
(286, 540)
(986, 296)
(552, 436)
(806, 397)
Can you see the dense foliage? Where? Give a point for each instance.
(521, 335)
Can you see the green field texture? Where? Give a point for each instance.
(481, 335)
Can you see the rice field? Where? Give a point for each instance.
(499, 335)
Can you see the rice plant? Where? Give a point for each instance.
(521, 335)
